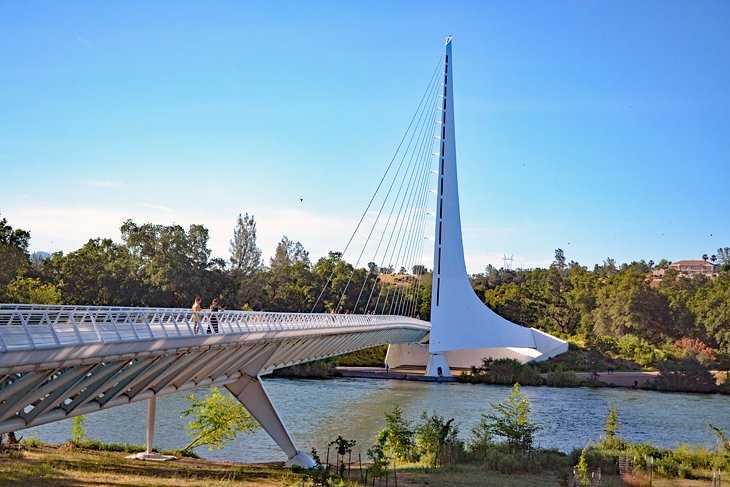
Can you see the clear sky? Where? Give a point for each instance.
(602, 128)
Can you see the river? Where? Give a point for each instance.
(316, 412)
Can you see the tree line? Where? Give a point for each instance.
(167, 266)
(615, 301)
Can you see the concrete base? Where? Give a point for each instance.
(153, 457)
(301, 459)
(438, 366)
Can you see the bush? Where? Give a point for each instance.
(634, 348)
(685, 375)
(399, 440)
(504, 371)
(511, 421)
(562, 378)
(317, 369)
(436, 440)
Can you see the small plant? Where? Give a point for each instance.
(611, 427)
(582, 467)
(511, 420)
(33, 441)
(217, 419)
(344, 447)
(433, 435)
(319, 474)
(399, 440)
(78, 433)
(377, 454)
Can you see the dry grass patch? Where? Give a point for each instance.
(49, 466)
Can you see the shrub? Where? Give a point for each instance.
(562, 378)
(511, 420)
(504, 371)
(610, 428)
(77, 431)
(687, 374)
(436, 440)
(217, 419)
(33, 442)
(636, 349)
(399, 439)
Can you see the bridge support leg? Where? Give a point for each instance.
(148, 455)
(151, 410)
(437, 366)
(252, 395)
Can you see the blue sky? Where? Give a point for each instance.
(602, 128)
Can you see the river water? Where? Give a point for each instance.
(316, 412)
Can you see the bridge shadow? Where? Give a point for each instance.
(51, 466)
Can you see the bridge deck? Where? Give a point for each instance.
(32, 327)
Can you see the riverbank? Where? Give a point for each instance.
(629, 379)
(46, 466)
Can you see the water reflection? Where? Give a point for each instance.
(316, 412)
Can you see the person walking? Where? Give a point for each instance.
(214, 308)
(197, 308)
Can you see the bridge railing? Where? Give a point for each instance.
(30, 327)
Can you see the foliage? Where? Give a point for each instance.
(13, 254)
(78, 433)
(582, 466)
(400, 441)
(503, 371)
(684, 375)
(511, 420)
(343, 448)
(622, 313)
(377, 453)
(245, 254)
(30, 290)
(687, 347)
(217, 419)
(435, 439)
(319, 474)
(317, 369)
(611, 427)
(561, 377)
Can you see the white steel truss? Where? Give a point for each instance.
(62, 361)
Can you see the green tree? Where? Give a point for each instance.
(172, 261)
(100, 273)
(559, 263)
(30, 290)
(711, 306)
(290, 284)
(399, 437)
(432, 436)
(14, 258)
(627, 304)
(245, 254)
(511, 420)
(247, 273)
(377, 453)
(217, 419)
